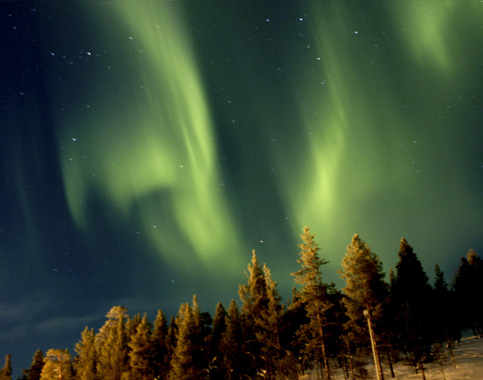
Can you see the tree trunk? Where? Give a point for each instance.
(421, 365)
(389, 359)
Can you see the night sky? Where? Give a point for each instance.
(147, 147)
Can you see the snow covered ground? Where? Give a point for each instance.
(469, 366)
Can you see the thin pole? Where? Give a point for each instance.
(377, 364)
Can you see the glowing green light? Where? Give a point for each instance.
(425, 26)
(158, 159)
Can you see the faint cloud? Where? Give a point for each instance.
(65, 323)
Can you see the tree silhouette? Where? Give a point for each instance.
(314, 296)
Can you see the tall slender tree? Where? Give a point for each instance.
(260, 316)
(85, 363)
(112, 345)
(140, 363)
(215, 354)
(159, 343)
(411, 298)
(235, 360)
(365, 291)
(314, 294)
(255, 303)
(278, 362)
(188, 362)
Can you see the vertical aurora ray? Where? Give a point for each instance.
(375, 122)
(155, 157)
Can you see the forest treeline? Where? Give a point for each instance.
(319, 329)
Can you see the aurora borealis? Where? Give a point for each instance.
(147, 147)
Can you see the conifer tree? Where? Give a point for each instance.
(132, 325)
(171, 339)
(187, 362)
(112, 345)
(141, 351)
(85, 362)
(57, 365)
(159, 357)
(35, 370)
(235, 361)
(411, 297)
(215, 355)
(113, 316)
(443, 307)
(6, 371)
(255, 305)
(468, 286)
(280, 364)
(314, 296)
(365, 290)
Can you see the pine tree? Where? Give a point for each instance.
(365, 290)
(141, 352)
(85, 362)
(112, 345)
(113, 316)
(160, 358)
(365, 287)
(411, 300)
(314, 296)
(6, 371)
(57, 365)
(35, 370)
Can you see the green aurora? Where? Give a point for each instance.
(373, 121)
(163, 144)
(148, 146)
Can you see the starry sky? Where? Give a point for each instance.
(147, 147)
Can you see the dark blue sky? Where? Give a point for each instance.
(147, 147)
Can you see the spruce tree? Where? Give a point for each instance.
(278, 362)
(315, 298)
(85, 363)
(160, 358)
(35, 370)
(188, 359)
(171, 339)
(253, 312)
(214, 352)
(411, 300)
(235, 360)
(141, 352)
(57, 365)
